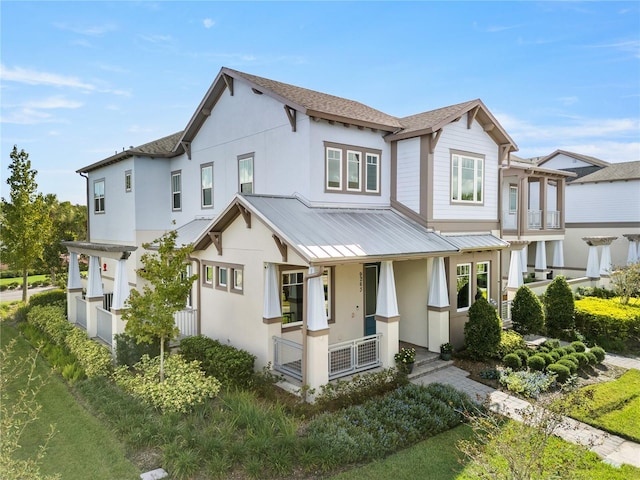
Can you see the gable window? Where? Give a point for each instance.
(467, 178)
(206, 181)
(463, 285)
(245, 173)
(358, 165)
(98, 196)
(127, 181)
(513, 198)
(482, 279)
(292, 295)
(176, 190)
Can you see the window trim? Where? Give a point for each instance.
(98, 198)
(203, 166)
(326, 183)
(247, 156)
(128, 181)
(330, 307)
(363, 152)
(476, 158)
(366, 176)
(488, 273)
(470, 276)
(220, 285)
(207, 280)
(235, 287)
(513, 187)
(178, 193)
(358, 155)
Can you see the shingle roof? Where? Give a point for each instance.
(433, 118)
(612, 173)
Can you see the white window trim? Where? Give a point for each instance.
(202, 168)
(340, 161)
(98, 197)
(366, 180)
(511, 189)
(220, 285)
(329, 307)
(358, 155)
(470, 275)
(488, 272)
(128, 179)
(459, 157)
(243, 158)
(237, 287)
(178, 192)
(207, 268)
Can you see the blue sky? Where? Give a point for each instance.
(81, 80)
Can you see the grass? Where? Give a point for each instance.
(613, 406)
(18, 280)
(82, 447)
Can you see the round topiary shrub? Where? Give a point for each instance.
(512, 360)
(536, 362)
(527, 312)
(569, 349)
(555, 355)
(560, 351)
(548, 359)
(599, 353)
(573, 367)
(582, 359)
(551, 343)
(559, 308)
(579, 346)
(482, 333)
(592, 358)
(543, 349)
(523, 353)
(562, 372)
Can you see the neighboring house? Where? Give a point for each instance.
(602, 206)
(325, 231)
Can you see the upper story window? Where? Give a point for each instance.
(245, 173)
(467, 178)
(206, 180)
(98, 196)
(176, 190)
(358, 165)
(513, 198)
(127, 181)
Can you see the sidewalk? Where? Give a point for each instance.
(610, 448)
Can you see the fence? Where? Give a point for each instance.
(81, 312)
(104, 325)
(187, 322)
(287, 357)
(354, 356)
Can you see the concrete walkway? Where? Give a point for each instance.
(611, 448)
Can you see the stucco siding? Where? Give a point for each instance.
(408, 172)
(412, 289)
(349, 304)
(576, 250)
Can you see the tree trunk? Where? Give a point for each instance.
(25, 284)
(161, 358)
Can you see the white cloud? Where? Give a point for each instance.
(53, 102)
(27, 116)
(208, 23)
(92, 31)
(155, 38)
(33, 77)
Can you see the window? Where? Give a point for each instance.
(334, 169)
(292, 295)
(206, 180)
(360, 168)
(207, 275)
(221, 279)
(245, 173)
(463, 274)
(513, 198)
(482, 279)
(237, 280)
(127, 181)
(176, 190)
(353, 171)
(467, 178)
(373, 173)
(98, 196)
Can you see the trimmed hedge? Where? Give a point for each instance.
(608, 322)
(52, 297)
(527, 312)
(483, 331)
(562, 372)
(129, 351)
(536, 362)
(599, 353)
(232, 366)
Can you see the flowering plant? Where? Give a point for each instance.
(405, 355)
(446, 348)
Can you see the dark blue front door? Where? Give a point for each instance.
(370, 298)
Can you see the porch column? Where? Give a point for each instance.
(558, 254)
(605, 261)
(317, 335)
(387, 315)
(94, 296)
(271, 310)
(593, 269)
(74, 287)
(541, 256)
(120, 296)
(524, 258)
(438, 306)
(634, 247)
(543, 204)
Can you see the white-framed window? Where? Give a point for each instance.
(221, 277)
(98, 196)
(372, 180)
(513, 198)
(176, 190)
(292, 295)
(483, 279)
(334, 169)
(353, 171)
(206, 185)
(207, 275)
(238, 280)
(467, 178)
(463, 285)
(245, 173)
(127, 181)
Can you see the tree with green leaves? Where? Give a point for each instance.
(559, 308)
(24, 220)
(150, 313)
(527, 312)
(625, 282)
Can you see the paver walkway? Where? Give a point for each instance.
(611, 448)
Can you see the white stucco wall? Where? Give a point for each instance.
(412, 289)
(408, 172)
(349, 303)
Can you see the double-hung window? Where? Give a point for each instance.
(463, 285)
(245, 173)
(127, 181)
(292, 295)
(352, 169)
(482, 279)
(206, 181)
(334, 169)
(98, 196)
(176, 190)
(373, 173)
(207, 275)
(221, 280)
(513, 198)
(467, 178)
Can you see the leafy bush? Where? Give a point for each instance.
(510, 341)
(548, 359)
(527, 383)
(559, 351)
(551, 343)
(482, 332)
(94, 358)
(572, 366)
(599, 353)
(523, 353)
(527, 313)
(231, 366)
(185, 384)
(568, 349)
(51, 320)
(594, 292)
(52, 297)
(536, 362)
(579, 346)
(608, 322)
(582, 358)
(129, 351)
(561, 372)
(555, 355)
(593, 360)
(626, 281)
(513, 361)
(559, 308)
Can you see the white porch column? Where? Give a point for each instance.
(633, 255)
(317, 338)
(438, 306)
(605, 261)
(94, 296)
(272, 309)
(515, 270)
(387, 315)
(524, 258)
(120, 285)
(558, 254)
(316, 310)
(541, 256)
(74, 287)
(593, 270)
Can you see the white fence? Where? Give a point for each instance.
(187, 322)
(287, 357)
(534, 219)
(104, 325)
(354, 356)
(553, 219)
(81, 312)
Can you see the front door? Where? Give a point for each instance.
(370, 298)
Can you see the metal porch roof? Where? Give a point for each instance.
(472, 241)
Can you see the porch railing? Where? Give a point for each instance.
(553, 219)
(107, 301)
(187, 322)
(81, 312)
(354, 356)
(287, 357)
(104, 325)
(534, 219)
(505, 311)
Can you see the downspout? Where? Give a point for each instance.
(198, 291)
(86, 177)
(305, 303)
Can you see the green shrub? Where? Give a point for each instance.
(72, 372)
(594, 292)
(523, 353)
(551, 343)
(536, 362)
(599, 353)
(548, 359)
(608, 322)
(559, 308)
(52, 297)
(560, 351)
(579, 346)
(582, 358)
(527, 313)
(20, 315)
(568, 349)
(482, 333)
(185, 384)
(527, 383)
(510, 341)
(51, 320)
(555, 355)
(129, 352)
(561, 372)
(572, 366)
(94, 358)
(593, 360)
(513, 361)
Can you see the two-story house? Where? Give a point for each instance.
(325, 231)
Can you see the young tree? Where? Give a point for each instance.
(559, 308)
(626, 282)
(150, 313)
(527, 313)
(25, 223)
(482, 332)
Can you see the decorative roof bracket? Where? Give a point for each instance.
(471, 116)
(504, 152)
(291, 115)
(282, 246)
(246, 215)
(187, 148)
(433, 140)
(216, 239)
(228, 80)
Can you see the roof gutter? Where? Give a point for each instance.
(86, 178)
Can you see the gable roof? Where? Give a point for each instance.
(585, 158)
(615, 172)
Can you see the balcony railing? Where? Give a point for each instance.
(354, 356)
(81, 312)
(553, 219)
(534, 219)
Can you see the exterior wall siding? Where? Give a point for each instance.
(412, 289)
(408, 173)
(562, 161)
(603, 202)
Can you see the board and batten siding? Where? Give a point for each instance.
(408, 173)
(475, 140)
(603, 202)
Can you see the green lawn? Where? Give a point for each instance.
(82, 447)
(614, 406)
(18, 280)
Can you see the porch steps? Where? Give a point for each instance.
(426, 363)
